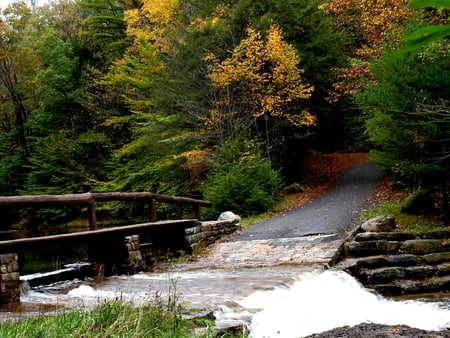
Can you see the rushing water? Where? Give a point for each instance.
(283, 301)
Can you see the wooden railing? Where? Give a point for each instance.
(90, 200)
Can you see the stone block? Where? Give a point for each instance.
(135, 256)
(379, 224)
(192, 231)
(421, 246)
(8, 258)
(436, 258)
(10, 276)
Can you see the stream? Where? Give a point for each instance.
(279, 301)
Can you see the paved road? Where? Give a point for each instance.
(307, 235)
(331, 213)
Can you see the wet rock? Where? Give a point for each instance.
(403, 260)
(436, 258)
(421, 246)
(389, 236)
(420, 272)
(370, 248)
(379, 224)
(385, 274)
(370, 330)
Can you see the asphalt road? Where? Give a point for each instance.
(331, 213)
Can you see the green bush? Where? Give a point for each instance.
(244, 182)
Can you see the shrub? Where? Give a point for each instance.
(241, 181)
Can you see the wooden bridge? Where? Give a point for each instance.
(103, 244)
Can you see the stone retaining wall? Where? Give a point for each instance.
(9, 279)
(207, 233)
(201, 235)
(395, 263)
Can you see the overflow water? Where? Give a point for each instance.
(318, 302)
(283, 301)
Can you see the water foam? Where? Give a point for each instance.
(318, 302)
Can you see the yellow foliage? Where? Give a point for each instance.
(153, 22)
(261, 75)
(196, 163)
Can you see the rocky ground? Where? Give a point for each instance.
(367, 330)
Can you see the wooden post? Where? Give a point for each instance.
(153, 214)
(197, 211)
(92, 217)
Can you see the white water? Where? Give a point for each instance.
(318, 302)
(313, 302)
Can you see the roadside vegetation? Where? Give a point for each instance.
(113, 318)
(215, 99)
(117, 318)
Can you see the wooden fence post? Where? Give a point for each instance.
(92, 217)
(153, 215)
(197, 211)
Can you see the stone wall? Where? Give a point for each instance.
(206, 233)
(9, 279)
(199, 236)
(396, 263)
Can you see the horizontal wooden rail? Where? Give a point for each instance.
(98, 234)
(90, 200)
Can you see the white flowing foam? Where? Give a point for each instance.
(320, 302)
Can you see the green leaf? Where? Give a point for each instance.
(430, 3)
(424, 36)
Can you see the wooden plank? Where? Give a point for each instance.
(88, 198)
(31, 242)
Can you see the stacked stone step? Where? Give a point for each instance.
(400, 263)
(133, 261)
(9, 279)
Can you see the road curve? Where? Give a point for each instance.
(331, 213)
(307, 235)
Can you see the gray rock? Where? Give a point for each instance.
(229, 216)
(421, 246)
(379, 224)
(293, 188)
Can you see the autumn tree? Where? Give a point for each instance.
(406, 104)
(258, 87)
(370, 24)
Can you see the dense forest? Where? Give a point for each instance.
(219, 99)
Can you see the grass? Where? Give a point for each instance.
(405, 222)
(114, 318)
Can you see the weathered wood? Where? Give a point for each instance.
(88, 198)
(92, 216)
(197, 211)
(153, 214)
(29, 200)
(100, 234)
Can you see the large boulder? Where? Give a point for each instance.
(379, 224)
(229, 216)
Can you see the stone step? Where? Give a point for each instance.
(385, 247)
(421, 272)
(411, 286)
(354, 265)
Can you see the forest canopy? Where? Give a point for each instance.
(219, 99)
